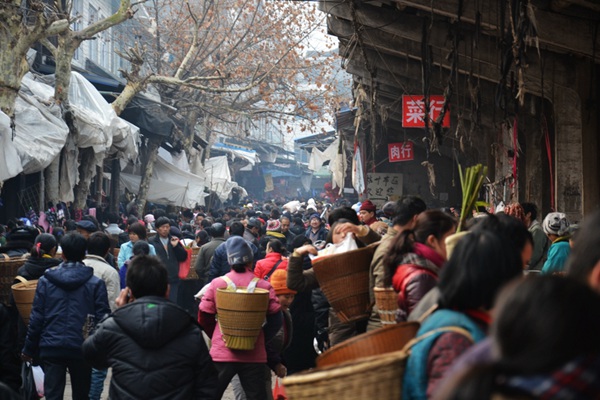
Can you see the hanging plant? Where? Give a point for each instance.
(470, 182)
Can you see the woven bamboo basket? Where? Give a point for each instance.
(386, 300)
(192, 273)
(241, 315)
(379, 341)
(24, 293)
(344, 279)
(376, 377)
(8, 272)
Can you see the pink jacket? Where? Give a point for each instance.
(219, 352)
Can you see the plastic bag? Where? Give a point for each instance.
(184, 266)
(344, 246)
(279, 391)
(38, 377)
(32, 381)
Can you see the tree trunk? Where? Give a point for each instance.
(11, 73)
(153, 146)
(128, 93)
(87, 169)
(51, 175)
(189, 133)
(99, 181)
(206, 152)
(115, 183)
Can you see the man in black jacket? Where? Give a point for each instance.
(171, 252)
(154, 347)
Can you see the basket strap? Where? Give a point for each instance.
(230, 285)
(427, 313)
(21, 279)
(456, 329)
(252, 285)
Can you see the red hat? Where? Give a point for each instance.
(368, 206)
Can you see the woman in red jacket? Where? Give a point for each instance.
(413, 264)
(273, 260)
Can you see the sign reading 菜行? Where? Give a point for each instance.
(402, 151)
(382, 187)
(413, 111)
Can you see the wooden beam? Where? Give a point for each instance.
(402, 36)
(556, 31)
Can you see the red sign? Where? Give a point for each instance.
(402, 151)
(413, 111)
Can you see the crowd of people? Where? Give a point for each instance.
(507, 307)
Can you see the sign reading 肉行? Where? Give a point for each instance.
(402, 151)
(413, 111)
(382, 187)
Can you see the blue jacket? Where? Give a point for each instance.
(68, 301)
(557, 256)
(415, 375)
(126, 251)
(219, 265)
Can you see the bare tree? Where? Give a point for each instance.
(228, 62)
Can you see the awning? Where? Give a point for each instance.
(245, 154)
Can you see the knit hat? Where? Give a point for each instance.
(149, 218)
(367, 205)
(315, 215)
(279, 282)
(556, 223)
(274, 225)
(238, 251)
(87, 225)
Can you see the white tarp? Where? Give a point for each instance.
(358, 178)
(218, 177)
(338, 166)
(10, 163)
(39, 135)
(318, 158)
(159, 191)
(169, 184)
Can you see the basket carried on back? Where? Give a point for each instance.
(379, 341)
(241, 315)
(386, 300)
(376, 377)
(344, 279)
(24, 293)
(8, 272)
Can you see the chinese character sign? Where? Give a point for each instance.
(382, 187)
(413, 111)
(402, 151)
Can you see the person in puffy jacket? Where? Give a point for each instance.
(249, 365)
(273, 260)
(416, 256)
(41, 258)
(69, 301)
(154, 347)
